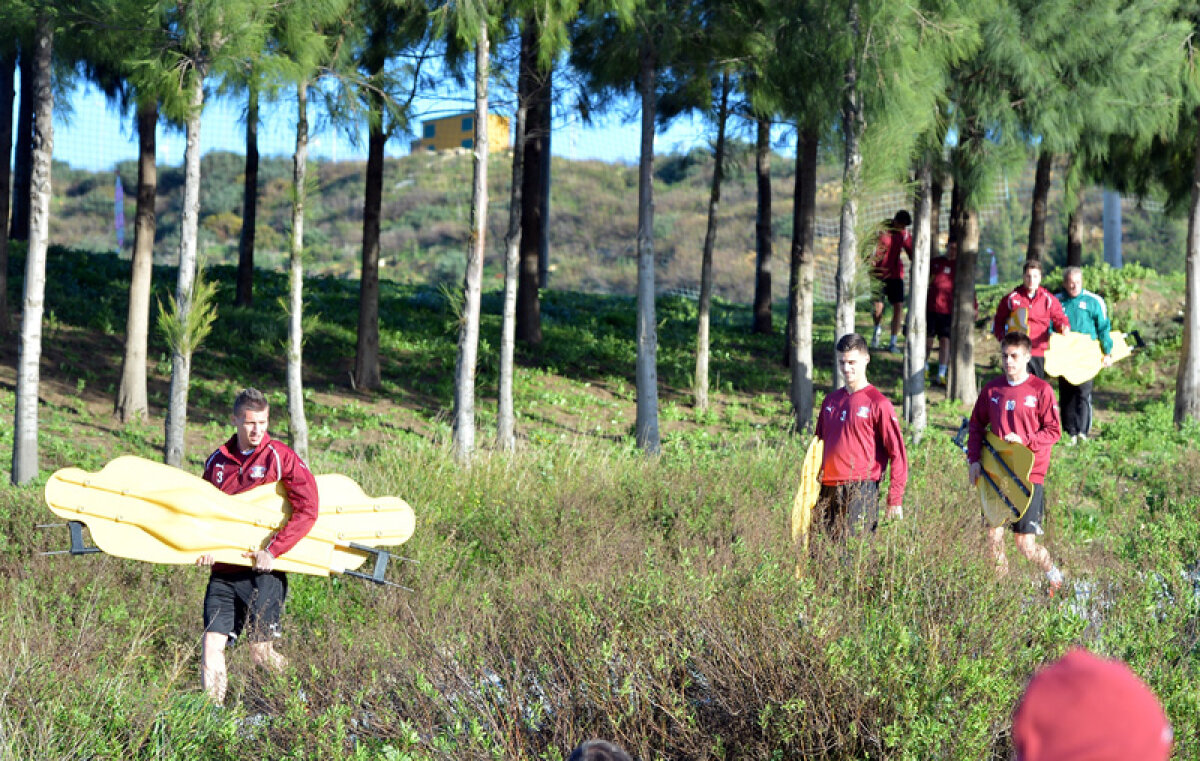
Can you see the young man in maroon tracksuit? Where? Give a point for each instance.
(1032, 310)
(862, 436)
(894, 241)
(1018, 407)
(251, 599)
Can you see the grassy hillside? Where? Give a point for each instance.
(578, 588)
(426, 203)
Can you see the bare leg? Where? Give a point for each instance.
(212, 665)
(995, 548)
(877, 312)
(897, 320)
(943, 351)
(1035, 553)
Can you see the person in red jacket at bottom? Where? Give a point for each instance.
(1031, 309)
(862, 436)
(1018, 407)
(250, 600)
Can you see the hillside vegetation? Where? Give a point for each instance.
(579, 588)
(426, 205)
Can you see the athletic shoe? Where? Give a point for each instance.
(894, 349)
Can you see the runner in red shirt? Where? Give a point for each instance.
(889, 274)
(1032, 310)
(1018, 407)
(862, 436)
(251, 599)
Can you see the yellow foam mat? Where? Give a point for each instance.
(1078, 357)
(810, 489)
(144, 510)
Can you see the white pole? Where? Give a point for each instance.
(1112, 228)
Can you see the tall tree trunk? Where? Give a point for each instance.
(1187, 382)
(914, 346)
(468, 333)
(534, 89)
(181, 355)
(131, 395)
(1075, 237)
(506, 438)
(763, 229)
(23, 159)
(25, 438)
(646, 426)
(853, 124)
(297, 420)
(936, 189)
(8, 67)
(1037, 217)
(366, 360)
(245, 270)
(710, 241)
(962, 330)
(804, 217)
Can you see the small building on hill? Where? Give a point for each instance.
(458, 131)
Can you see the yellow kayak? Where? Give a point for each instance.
(144, 510)
(1078, 357)
(806, 495)
(1005, 490)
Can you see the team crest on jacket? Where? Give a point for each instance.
(864, 412)
(1010, 405)
(1031, 401)
(258, 471)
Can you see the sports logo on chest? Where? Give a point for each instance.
(1010, 404)
(1031, 401)
(864, 412)
(258, 471)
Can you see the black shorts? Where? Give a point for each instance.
(848, 508)
(890, 289)
(245, 600)
(939, 324)
(1031, 521)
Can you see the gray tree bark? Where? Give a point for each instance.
(1187, 381)
(297, 420)
(468, 333)
(914, 347)
(763, 234)
(804, 217)
(853, 124)
(25, 438)
(646, 426)
(181, 356)
(1037, 216)
(245, 271)
(131, 394)
(506, 438)
(710, 240)
(962, 330)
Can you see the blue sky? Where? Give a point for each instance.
(94, 135)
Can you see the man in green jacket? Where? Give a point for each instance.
(1088, 314)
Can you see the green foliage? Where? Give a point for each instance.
(185, 332)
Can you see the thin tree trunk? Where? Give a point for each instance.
(131, 395)
(937, 189)
(245, 270)
(8, 67)
(710, 241)
(23, 158)
(366, 361)
(534, 89)
(25, 439)
(1187, 382)
(506, 438)
(914, 346)
(181, 356)
(1037, 217)
(1075, 237)
(853, 124)
(763, 229)
(468, 334)
(646, 426)
(962, 330)
(804, 217)
(297, 420)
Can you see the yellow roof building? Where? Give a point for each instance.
(458, 131)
